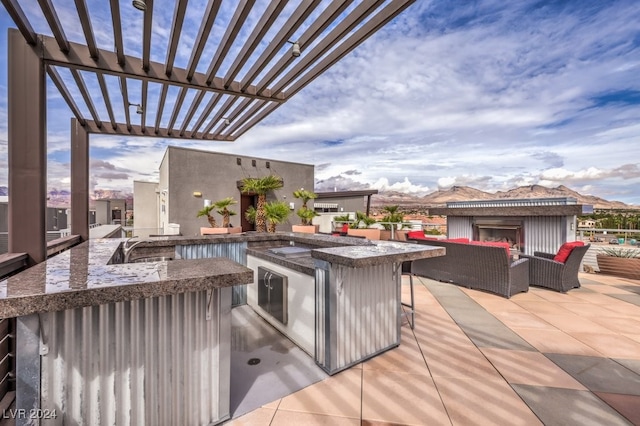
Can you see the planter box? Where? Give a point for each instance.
(308, 229)
(211, 231)
(370, 233)
(619, 266)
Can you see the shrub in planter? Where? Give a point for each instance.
(619, 262)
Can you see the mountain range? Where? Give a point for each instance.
(62, 198)
(465, 193)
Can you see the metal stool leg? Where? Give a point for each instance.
(411, 305)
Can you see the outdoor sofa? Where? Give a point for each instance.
(474, 265)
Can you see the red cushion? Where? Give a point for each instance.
(506, 246)
(565, 250)
(416, 235)
(345, 228)
(457, 240)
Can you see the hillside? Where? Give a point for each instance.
(465, 193)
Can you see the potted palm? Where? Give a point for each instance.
(620, 262)
(393, 218)
(276, 212)
(222, 208)
(362, 226)
(305, 214)
(260, 187)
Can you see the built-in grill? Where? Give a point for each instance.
(290, 251)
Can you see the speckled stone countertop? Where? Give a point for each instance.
(81, 277)
(376, 253)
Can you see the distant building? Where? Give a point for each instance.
(190, 178)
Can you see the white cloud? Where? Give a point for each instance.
(488, 94)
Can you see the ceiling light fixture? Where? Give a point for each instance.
(140, 4)
(295, 49)
(226, 121)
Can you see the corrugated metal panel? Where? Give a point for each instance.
(460, 227)
(148, 361)
(234, 251)
(544, 233)
(361, 314)
(321, 289)
(559, 201)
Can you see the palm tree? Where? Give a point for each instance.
(306, 215)
(222, 207)
(206, 211)
(393, 215)
(261, 186)
(276, 212)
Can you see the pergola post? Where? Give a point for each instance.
(27, 149)
(79, 180)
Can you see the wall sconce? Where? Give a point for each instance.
(295, 49)
(268, 165)
(292, 206)
(197, 194)
(239, 161)
(253, 163)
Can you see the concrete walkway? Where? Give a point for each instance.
(474, 358)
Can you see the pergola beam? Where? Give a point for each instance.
(64, 92)
(176, 28)
(79, 57)
(326, 18)
(135, 130)
(54, 23)
(117, 30)
(240, 15)
(146, 35)
(261, 28)
(208, 18)
(19, 18)
(83, 13)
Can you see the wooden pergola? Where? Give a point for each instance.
(266, 52)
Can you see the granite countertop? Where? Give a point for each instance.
(375, 253)
(302, 264)
(81, 277)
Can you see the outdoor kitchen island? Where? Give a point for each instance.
(100, 341)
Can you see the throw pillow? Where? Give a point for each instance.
(565, 250)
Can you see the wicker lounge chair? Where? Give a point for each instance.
(479, 267)
(546, 272)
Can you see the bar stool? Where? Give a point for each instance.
(407, 269)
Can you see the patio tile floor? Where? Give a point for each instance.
(541, 357)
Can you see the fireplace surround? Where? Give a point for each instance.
(529, 225)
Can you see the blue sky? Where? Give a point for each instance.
(489, 94)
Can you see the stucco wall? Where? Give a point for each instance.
(145, 209)
(215, 175)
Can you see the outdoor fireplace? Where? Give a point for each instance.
(547, 223)
(499, 230)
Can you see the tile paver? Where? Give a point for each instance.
(579, 363)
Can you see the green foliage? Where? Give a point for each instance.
(276, 212)
(250, 214)
(305, 196)
(362, 221)
(306, 215)
(432, 231)
(222, 207)
(206, 211)
(393, 216)
(261, 185)
(342, 219)
(620, 252)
